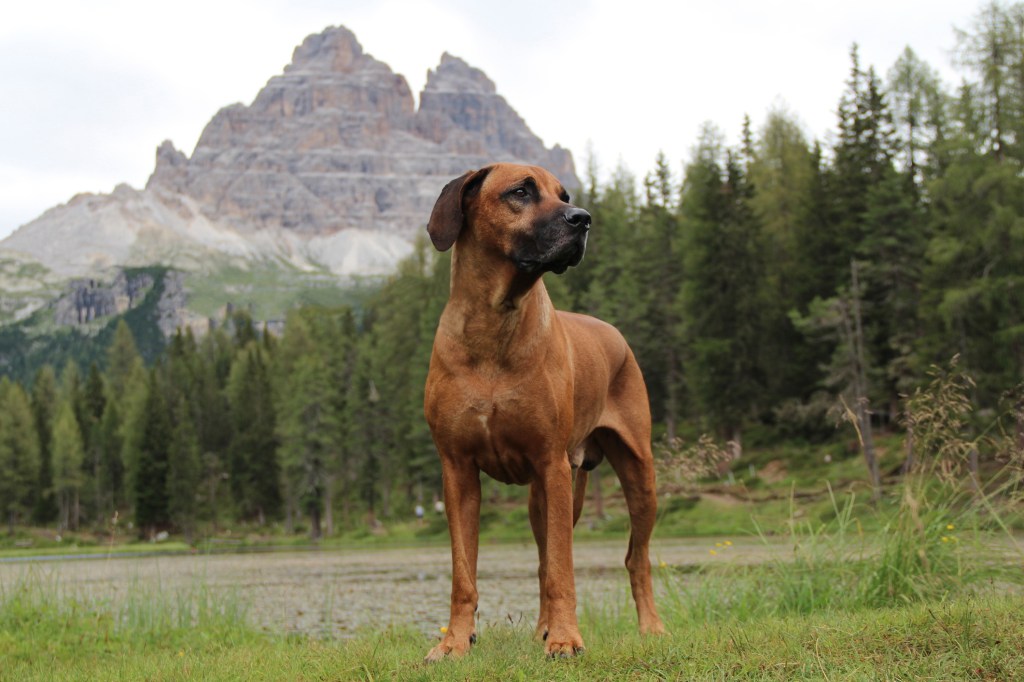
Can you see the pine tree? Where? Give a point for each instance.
(918, 106)
(68, 456)
(721, 295)
(786, 179)
(252, 456)
(44, 408)
(124, 364)
(111, 447)
(994, 50)
(153, 441)
(309, 428)
(19, 454)
(184, 471)
(94, 400)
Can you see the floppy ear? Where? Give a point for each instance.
(447, 217)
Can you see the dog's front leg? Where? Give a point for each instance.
(559, 587)
(462, 507)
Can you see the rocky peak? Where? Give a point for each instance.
(456, 76)
(171, 167)
(330, 167)
(336, 49)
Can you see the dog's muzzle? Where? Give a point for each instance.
(557, 245)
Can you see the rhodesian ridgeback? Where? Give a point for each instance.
(530, 395)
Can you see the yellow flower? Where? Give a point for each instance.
(181, 653)
(444, 629)
(718, 544)
(712, 552)
(945, 539)
(662, 564)
(728, 543)
(950, 526)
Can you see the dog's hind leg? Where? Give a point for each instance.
(579, 494)
(635, 469)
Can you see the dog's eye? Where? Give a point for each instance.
(520, 192)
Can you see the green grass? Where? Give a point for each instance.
(200, 636)
(934, 593)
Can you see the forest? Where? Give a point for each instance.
(763, 287)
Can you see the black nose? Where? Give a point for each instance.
(577, 217)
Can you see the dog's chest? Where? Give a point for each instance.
(502, 428)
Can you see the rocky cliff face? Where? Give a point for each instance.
(330, 168)
(336, 143)
(85, 300)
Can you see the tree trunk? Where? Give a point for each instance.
(385, 501)
(671, 400)
(346, 509)
(863, 411)
(314, 522)
(329, 504)
(736, 443)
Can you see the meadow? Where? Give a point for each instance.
(933, 589)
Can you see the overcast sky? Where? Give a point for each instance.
(89, 89)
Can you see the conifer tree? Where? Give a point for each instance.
(19, 454)
(94, 403)
(184, 471)
(722, 289)
(252, 457)
(152, 443)
(68, 456)
(44, 408)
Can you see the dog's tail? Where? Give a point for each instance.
(578, 494)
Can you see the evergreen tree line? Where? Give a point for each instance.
(780, 274)
(768, 282)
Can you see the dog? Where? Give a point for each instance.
(530, 395)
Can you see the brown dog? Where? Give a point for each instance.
(530, 395)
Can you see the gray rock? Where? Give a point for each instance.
(331, 169)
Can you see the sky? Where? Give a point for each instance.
(88, 90)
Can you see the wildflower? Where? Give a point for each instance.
(728, 543)
(662, 564)
(181, 653)
(712, 552)
(718, 544)
(950, 526)
(444, 629)
(945, 539)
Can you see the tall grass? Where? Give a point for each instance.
(939, 534)
(36, 601)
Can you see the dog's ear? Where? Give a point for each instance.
(447, 217)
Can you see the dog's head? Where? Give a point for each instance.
(519, 212)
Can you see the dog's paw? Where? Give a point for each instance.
(450, 647)
(652, 627)
(563, 644)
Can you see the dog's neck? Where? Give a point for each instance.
(494, 308)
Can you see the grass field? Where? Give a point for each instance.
(935, 591)
(204, 637)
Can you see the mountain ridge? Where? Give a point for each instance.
(331, 169)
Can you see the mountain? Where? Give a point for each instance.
(324, 179)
